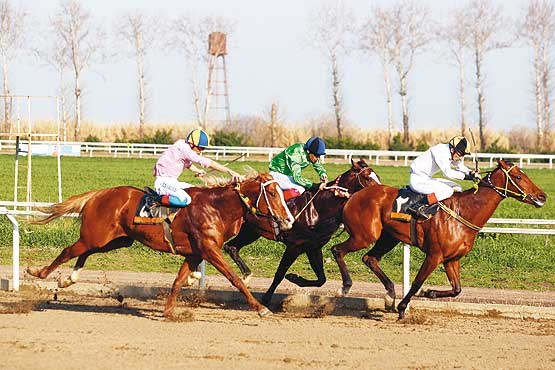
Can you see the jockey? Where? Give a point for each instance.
(447, 158)
(286, 167)
(183, 154)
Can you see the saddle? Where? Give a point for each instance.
(407, 203)
(150, 211)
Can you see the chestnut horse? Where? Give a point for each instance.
(318, 218)
(445, 238)
(199, 230)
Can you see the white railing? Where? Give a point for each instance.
(377, 157)
(15, 247)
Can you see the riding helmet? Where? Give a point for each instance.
(198, 138)
(460, 145)
(316, 146)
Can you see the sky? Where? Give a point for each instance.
(269, 59)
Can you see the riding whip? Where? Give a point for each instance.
(474, 154)
(230, 162)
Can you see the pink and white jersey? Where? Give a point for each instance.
(177, 157)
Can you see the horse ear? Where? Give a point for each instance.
(355, 165)
(362, 163)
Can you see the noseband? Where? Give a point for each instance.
(505, 192)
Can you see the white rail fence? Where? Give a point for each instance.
(377, 157)
(547, 227)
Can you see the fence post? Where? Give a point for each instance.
(15, 249)
(406, 269)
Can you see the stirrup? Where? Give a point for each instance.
(421, 212)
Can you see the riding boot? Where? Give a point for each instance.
(420, 208)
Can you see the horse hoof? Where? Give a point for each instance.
(193, 277)
(389, 302)
(33, 271)
(421, 293)
(64, 283)
(264, 312)
(292, 278)
(343, 291)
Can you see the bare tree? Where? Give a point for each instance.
(12, 40)
(537, 29)
(375, 39)
(50, 49)
(75, 26)
(455, 33)
(138, 31)
(330, 29)
(486, 34)
(411, 33)
(188, 34)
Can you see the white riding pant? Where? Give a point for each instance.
(442, 188)
(170, 186)
(286, 182)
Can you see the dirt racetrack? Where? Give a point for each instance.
(84, 332)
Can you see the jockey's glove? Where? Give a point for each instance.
(473, 176)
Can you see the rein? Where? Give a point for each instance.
(338, 191)
(453, 214)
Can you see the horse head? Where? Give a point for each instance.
(270, 201)
(357, 177)
(508, 180)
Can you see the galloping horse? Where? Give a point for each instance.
(199, 230)
(445, 238)
(319, 216)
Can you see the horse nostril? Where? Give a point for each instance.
(542, 197)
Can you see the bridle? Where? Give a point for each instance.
(505, 192)
(342, 191)
(255, 210)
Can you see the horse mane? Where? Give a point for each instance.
(220, 181)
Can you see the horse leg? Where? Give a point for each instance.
(289, 256)
(232, 247)
(339, 251)
(77, 249)
(190, 264)
(316, 260)
(215, 257)
(428, 266)
(453, 271)
(74, 277)
(384, 245)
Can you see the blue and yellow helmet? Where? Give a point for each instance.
(198, 138)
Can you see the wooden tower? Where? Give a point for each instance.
(216, 107)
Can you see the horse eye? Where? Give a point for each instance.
(272, 193)
(519, 178)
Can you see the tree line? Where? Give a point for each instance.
(395, 33)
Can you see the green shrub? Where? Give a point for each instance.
(229, 138)
(349, 143)
(92, 139)
(496, 148)
(398, 145)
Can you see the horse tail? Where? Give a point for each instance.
(74, 204)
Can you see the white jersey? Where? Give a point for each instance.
(438, 158)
